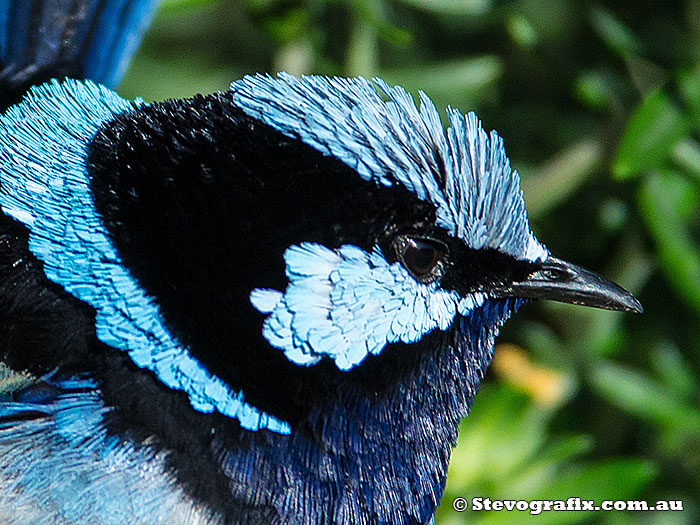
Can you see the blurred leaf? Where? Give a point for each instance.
(288, 26)
(613, 214)
(371, 13)
(640, 395)
(686, 154)
(546, 466)
(645, 75)
(368, 24)
(259, 5)
(295, 57)
(616, 35)
(563, 450)
(546, 345)
(674, 371)
(521, 31)
(167, 6)
(186, 78)
(666, 200)
(593, 90)
(362, 51)
(614, 479)
(689, 83)
(552, 21)
(654, 128)
(453, 7)
(560, 176)
(456, 79)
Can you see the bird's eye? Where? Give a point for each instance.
(422, 257)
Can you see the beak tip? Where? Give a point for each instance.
(635, 306)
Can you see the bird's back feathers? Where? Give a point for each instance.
(60, 466)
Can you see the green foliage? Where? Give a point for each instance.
(652, 131)
(599, 106)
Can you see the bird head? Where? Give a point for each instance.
(318, 260)
(455, 236)
(266, 241)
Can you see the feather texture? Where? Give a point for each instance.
(60, 466)
(57, 121)
(377, 130)
(296, 285)
(347, 304)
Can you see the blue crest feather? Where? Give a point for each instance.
(348, 304)
(463, 171)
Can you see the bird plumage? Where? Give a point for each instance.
(61, 467)
(43, 39)
(272, 304)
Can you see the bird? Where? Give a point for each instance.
(272, 304)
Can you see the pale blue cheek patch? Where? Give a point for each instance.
(44, 184)
(347, 304)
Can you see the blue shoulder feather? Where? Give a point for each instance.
(59, 464)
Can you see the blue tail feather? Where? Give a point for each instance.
(44, 39)
(119, 27)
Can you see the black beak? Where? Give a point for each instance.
(559, 280)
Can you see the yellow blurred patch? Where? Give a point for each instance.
(546, 386)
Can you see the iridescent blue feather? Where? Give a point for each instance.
(94, 39)
(59, 465)
(45, 185)
(362, 303)
(378, 130)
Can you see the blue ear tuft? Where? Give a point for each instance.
(45, 185)
(347, 304)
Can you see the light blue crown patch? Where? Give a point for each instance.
(347, 304)
(45, 185)
(377, 130)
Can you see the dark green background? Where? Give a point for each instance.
(599, 107)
